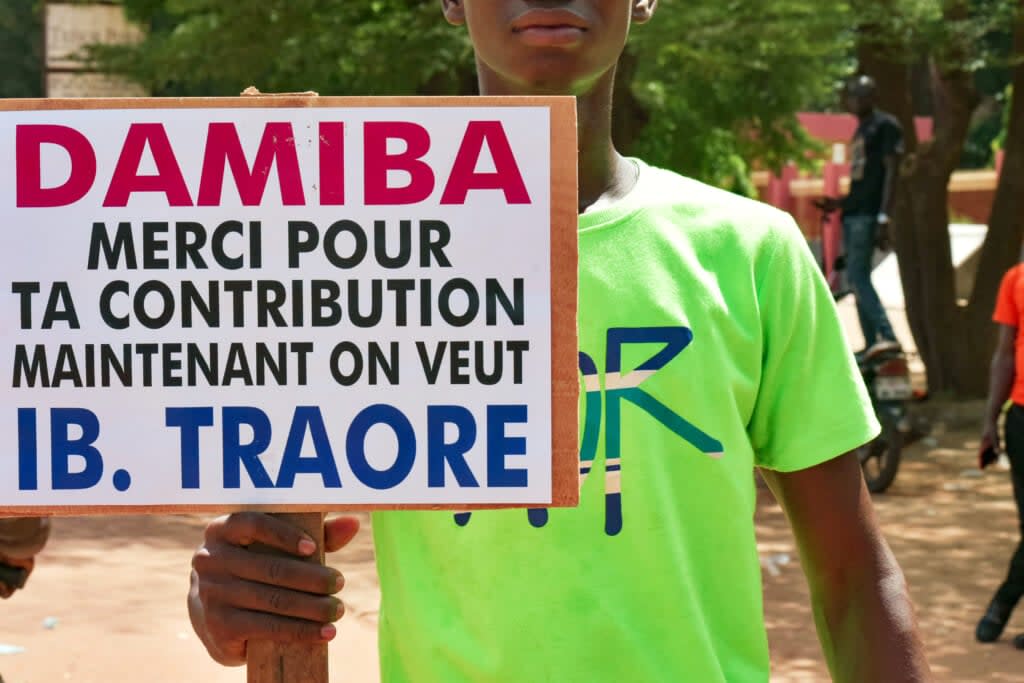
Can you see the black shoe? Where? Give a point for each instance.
(992, 624)
(1018, 642)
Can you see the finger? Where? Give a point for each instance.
(258, 597)
(247, 528)
(26, 563)
(274, 570)
(14, 564)
(339, 532)
(257, 626)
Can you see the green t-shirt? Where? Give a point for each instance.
(709, 344)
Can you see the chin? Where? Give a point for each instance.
(555, 73)
(549, 77)
(545, 84)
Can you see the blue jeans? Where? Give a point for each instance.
(859, 245)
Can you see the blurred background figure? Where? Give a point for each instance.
(874, 155)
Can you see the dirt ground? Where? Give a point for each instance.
(107, 603)
(952, 529)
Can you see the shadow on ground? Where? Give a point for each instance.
(952, 529)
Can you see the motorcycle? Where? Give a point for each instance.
(886, 374)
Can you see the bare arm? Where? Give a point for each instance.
(1001, 376)
(883, 237)
(891, 165)
(865, 621)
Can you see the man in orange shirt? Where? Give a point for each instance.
(1007, 382)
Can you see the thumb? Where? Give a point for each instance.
(339, 532)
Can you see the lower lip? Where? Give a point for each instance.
(551, 36)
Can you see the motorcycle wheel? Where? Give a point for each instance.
(880, 459)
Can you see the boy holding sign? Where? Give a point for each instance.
(709, 345)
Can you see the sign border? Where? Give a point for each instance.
(565, 386)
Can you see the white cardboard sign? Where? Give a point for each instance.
(285, 307)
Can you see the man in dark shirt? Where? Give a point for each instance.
(875, 151)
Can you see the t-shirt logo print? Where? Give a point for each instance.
(619, 387)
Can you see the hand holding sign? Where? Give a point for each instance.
(21, 539)
(297, 304)
(238, 595)
(13, 574)
(308, 304)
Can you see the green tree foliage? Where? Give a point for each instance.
(979, 41)
(956, 45)
(21, 36)
(988, 126)
(335, 47)
(722, 80)
(999, 142)
(709, 83)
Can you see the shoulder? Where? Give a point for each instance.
(1013, 275)
(1011, 288)
(1009, 297)
(887, 120)
(724, 216)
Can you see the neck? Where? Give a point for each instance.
(603, 173)
(601, 168)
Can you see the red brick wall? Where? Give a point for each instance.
(975, 205)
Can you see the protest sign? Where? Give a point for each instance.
(289, 304)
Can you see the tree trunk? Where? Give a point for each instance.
(1002, 248)
(939, 323)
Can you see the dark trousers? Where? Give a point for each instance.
(1013, 588)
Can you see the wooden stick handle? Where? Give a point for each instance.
(269, 662)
